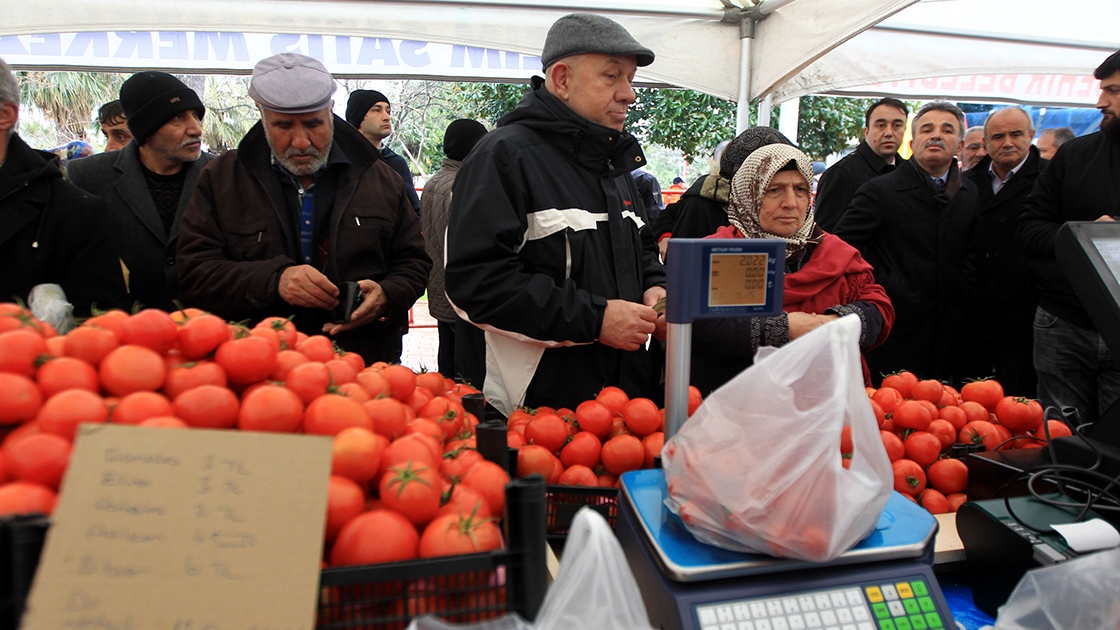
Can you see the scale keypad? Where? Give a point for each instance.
(901, 605)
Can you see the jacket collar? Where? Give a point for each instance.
(876, 161)
(24, 164)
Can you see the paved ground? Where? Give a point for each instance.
(421, 344)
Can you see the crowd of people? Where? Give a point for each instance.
(541, 242)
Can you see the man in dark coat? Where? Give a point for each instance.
(369, 112)
(544, 247)
(304, 204)
(877, 154)
(1082, 183)
(50, 231)
(997, 338)
(146, 184)
(914, 225)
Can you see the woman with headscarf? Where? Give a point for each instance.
(825, 278)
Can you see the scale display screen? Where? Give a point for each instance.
(738, 279)
(897, 604)
(724, 277)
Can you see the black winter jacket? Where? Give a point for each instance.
(840, 182)
(53, 232)
(1082, 183)
(531, 257)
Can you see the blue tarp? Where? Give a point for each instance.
(1081, 120)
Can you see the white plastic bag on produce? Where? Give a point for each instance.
(594, 588)
(509, 622)
(758, 466)
(48, 303)
(1078, 594)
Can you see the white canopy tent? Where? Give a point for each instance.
(801, 46)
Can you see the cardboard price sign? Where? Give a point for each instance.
(185, 530)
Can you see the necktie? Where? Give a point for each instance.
(940, 183)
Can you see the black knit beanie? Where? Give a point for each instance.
(461, 136)
(150, 99)
(744, 144)
(360, 103)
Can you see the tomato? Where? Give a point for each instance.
(548, 431)
(388, 415)
(425, 427)
(62, 413)
(956, 501)
(974, 411)
(888, 398)
(445, 413)
(607, 480)
(90, 344)
(903, 382)
(896, 450)
(922, 447)
(987, 392)
(583, 449)
(515, 440)
(557, 470)
(614, 398)
(433, 381)
(65, 373)
(164, 422)
(150, 328)
(1056, 429)
(909, 478)
(694, 399)
(131, 369)
(19, 349)
(534, 459)
(285, 361)
(21, 497)
(345, 501)
(20, 398)
(595, 418)
(980, 432)
(329, 414)
(934, 501)
(284, 328)
(954, 416)
(271, 408)
(401, 380)
(199, 336)
(110, 320)
(578, 476)
(373, 383)
(880, 415)
(1019, 413)
(190, 375)
(374, 537)
(309, 381)
(652, 443)
(948, 399)
(414, 448)
(641, 416)
(911, 414)
(207, 407)
(930, 390)
(413, 490)
(40, 458)
(489, 480)
(139, 406)
(184, 315)
(15, 317)
(623, 453)
(357, 363)
(354, 392)
(453, 534)
(945, 432)
(341, 371)
(317, 348)
(246, 360)
(1005, 442)
(456, 463)
(464, 501)
(420, 397)
(949, 476)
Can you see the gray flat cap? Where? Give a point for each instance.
(290, 83)
(581, 33)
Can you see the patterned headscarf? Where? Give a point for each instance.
(747, 188)
(746, 143)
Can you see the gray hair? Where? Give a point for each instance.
(1061, 135)
(1015, 108)
(939, 106)
(9, 86)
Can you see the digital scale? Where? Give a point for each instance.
(885, 582)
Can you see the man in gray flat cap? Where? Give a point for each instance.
(545, 248)
(303, 205)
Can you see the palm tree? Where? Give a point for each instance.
(230, 113)
(68, 99)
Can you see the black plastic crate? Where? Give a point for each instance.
(458, 589)
(21, 543)
(562, 503)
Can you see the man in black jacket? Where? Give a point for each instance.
(369, 112)
(914, 225)
(50, 231)
(544, 245)
(877, 154)
(1082, 183)
(146, 184)
(998, 338)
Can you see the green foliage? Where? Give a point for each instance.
(230, 113)
(828, 124)
(486, 102)
(688, 121)
(68, 100)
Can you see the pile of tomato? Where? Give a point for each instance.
(921, 420)
(593, 444)
(406, 480)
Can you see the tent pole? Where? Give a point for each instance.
(746, 41)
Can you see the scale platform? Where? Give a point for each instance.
(886, 582)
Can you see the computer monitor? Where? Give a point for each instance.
(1089, 253)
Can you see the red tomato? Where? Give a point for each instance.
(329, 414)
(623, 453)
(246, 360)
(453, 534)
(388, 415)
(911, 414)
(934, 501)
(954, 416)
(930, 390)
(317, 348)
(90, 344)
(190, 375)
(1057, 428)
(888, 398)
(433, 381)
(579, 476)
(446, 414)
(922, 447)
(896, 450)
(987, 392)
(272, 408)
(614, 398)
(980, 432)
(39, 458)
(533, 459)
(1019, 413)
(20, 497)
(464, 502)
(880, 415)
(409, 448)
(284, 328)
(345, 501)
(956, 501)
(456, 463)
(19, 350)
(401, 380)
(62, 413)
(207, 407)
(595, 417)
(974, 411)
(489, 480)
(548, 431)
(653, 444)
(694, 399)
(139, 406)
(20, 398)
(945, 431)
(308, 380)
(949, 476)
(150, 328)
(132, 369)
(641, 416)
(583, 449)
(412, 489)
(902, 382)
(65, 373)
(374, 537)
(909, 478)
(201, 335)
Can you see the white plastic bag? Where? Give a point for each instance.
(1078, 594)
(758, 468)
(48, 303)
(594, 588)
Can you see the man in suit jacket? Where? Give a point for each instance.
(998, 338)
(146, 184)
(914, 225)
